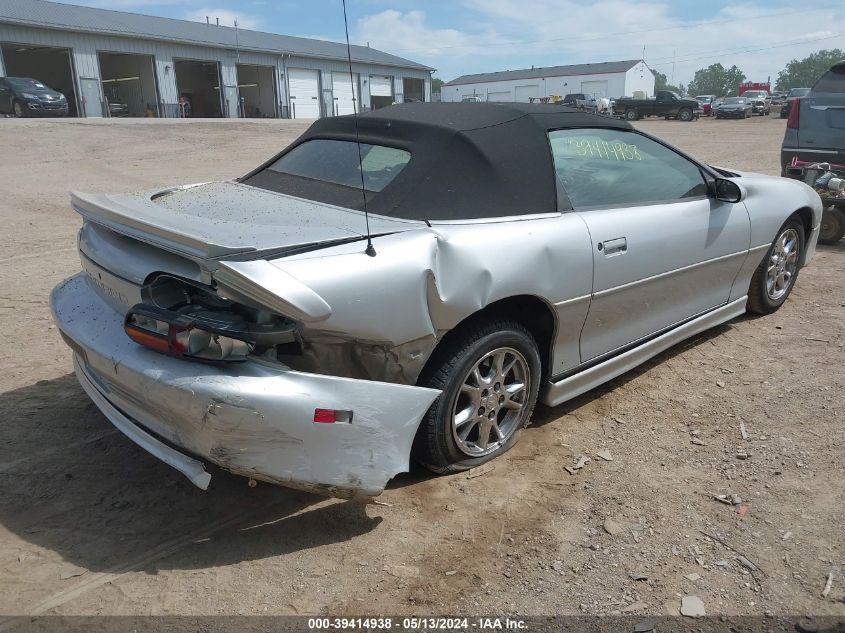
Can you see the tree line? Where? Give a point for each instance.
(720, 81)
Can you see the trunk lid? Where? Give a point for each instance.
(229, 220)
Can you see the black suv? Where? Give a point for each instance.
(21, 96)
(815, 130)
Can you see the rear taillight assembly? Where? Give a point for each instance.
(183, 336)
(794, 115)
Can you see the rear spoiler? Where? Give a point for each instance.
(138, 221)
(256, 280)
(270, 286)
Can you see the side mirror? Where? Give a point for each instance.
(727, 190)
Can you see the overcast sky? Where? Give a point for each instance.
(468, 36)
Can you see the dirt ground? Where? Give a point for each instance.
(91, 524)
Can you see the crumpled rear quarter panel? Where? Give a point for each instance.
(250, 418)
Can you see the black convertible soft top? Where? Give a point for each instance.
(468, 160)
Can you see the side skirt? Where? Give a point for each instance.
(554, 393)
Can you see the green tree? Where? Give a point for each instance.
(680, 89)
(436, 84)
(716, 80)
(803, 73)
(661, 82)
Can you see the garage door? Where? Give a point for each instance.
(524, 94)
(344, 99)
(594, 88)
(499, 96)
(381, 86)
(304, 87)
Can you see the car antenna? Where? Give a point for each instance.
(370, 250)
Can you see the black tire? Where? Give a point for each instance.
(760, 299)
(833, 226)
(685, 115)
(17, 109)
(632, 114)
(436, 446)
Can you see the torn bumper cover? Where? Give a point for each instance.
(253, 418)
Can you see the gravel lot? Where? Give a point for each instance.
(90, 524)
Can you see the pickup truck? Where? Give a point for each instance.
(665, 103)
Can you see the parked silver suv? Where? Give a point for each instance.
(815, 130)
(760, 100)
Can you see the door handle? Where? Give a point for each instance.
(616, 246)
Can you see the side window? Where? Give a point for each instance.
(605, 167)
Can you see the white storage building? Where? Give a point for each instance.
(605, 79)
(163, 67)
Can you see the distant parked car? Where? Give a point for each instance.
(760, 100)
(471, 99)
(118, 109)
(815, 130)
(573, 98)
(779, 97)
(22, 96)
(795, 93)
(706, 102)
(734, 108)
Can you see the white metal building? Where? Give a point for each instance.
(168, 68)
(605, 79)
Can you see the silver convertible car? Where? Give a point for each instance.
(508, 253)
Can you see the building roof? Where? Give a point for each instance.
(601, 68)
(69, 17)
(464, 162)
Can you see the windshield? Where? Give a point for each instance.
(736, 100)
(704, 99)
(23, 84)
(798, 92)
(755, 94)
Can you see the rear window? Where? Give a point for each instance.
(336, 162)
(833, 81)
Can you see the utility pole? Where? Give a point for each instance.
(672, 80)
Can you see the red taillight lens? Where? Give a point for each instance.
(330, 416)
(794, 115)
(147, 338)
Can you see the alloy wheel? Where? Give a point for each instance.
(783, 264)
(489, 406)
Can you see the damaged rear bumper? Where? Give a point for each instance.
(254, 419)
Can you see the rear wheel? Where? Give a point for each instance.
(632, 114)
(833, 226)
(685, 114)
(775, 276)
(489, 376)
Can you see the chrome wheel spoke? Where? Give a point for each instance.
(499, 435)
(484, 433)
(465, 415)
(464, 433)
